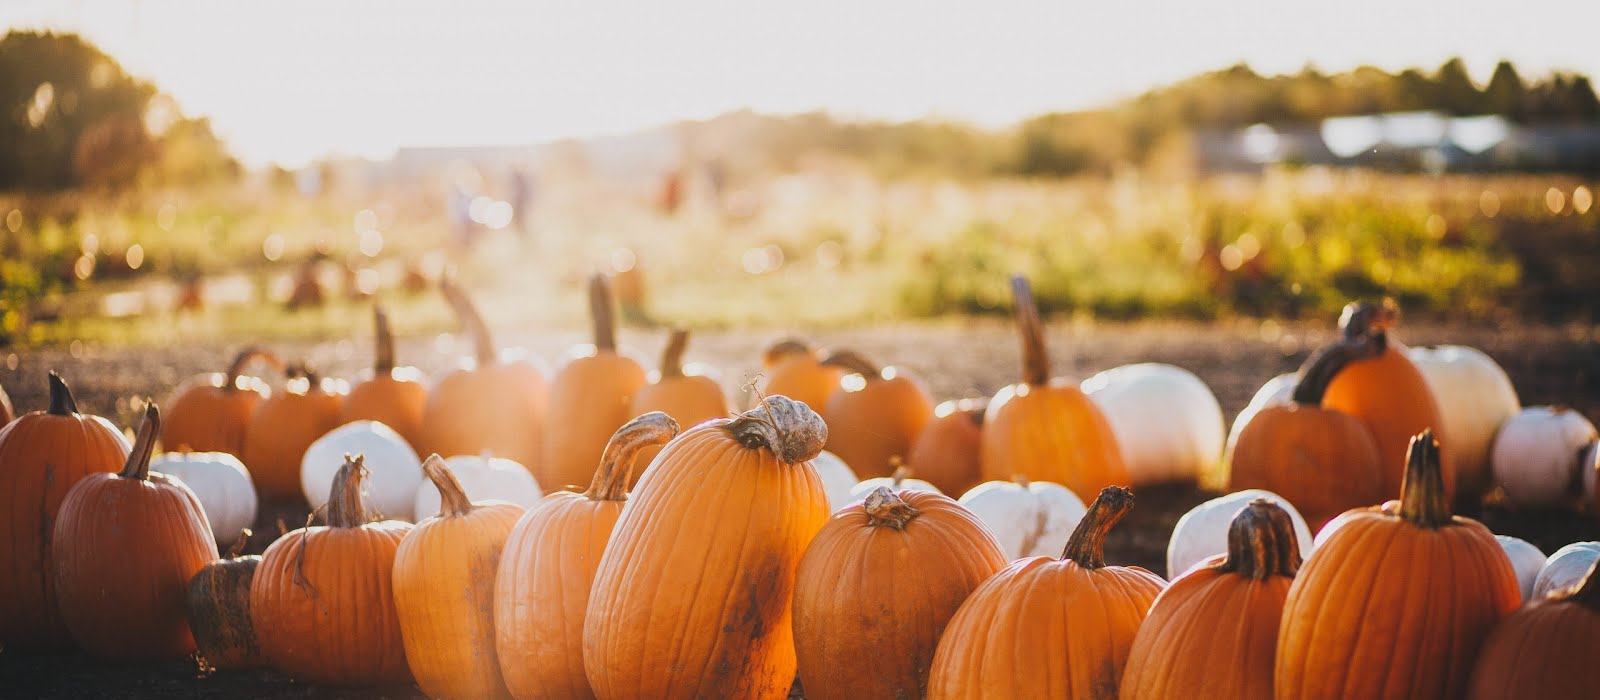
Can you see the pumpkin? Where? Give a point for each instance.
(43, 454)
(1047, 429)
(1278, 391)
(212, 412)
(590, 398)
(125, 547)
(1202, 532)
(1397, 599)
(1474, 396)
(444, 591)
(946, 452)
(692, 596)
(1185, 441)
(860, 631)
(874, 414)
(838, 480)
(687, 394)
(1322, 460)
(1027, 518)
(795, 370)
(550, 559)
(1545, 650)
(322, 600)
(1044, 627)
(1565, 568)
(218, 609)
(899, 481)
(482, 477)
(1525, 559)
(284, 426)
(1213, 633)
(221, 483)
(1538, 456)
(393, 396)
(391, 473)
(495, 402)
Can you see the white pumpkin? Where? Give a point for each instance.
(901, 481)
(1537, 453)
(1565, 568)
(1278, 391)
(837, 479)
(221, 483)
(393, 470)
(1202, 532)
(1526, 559)
(1475, 397)
(1167, 422)
(1028, 519)
(483, 478)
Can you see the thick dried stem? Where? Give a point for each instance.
(382, 342)
(62, 403)
(784, 348)
(605, 325)
(240, 543)
(1587, 593)
(144, 445)
(672, 356)
(471, 321)
(788, 429)
(1261, 542)
(1327, 362)
(611, 479)
(854, 362)
(1370, 319)
(1422, 499)
(885, 509)
(1035, 361)
(346, 505)
(1087, 544)
(230, 381)
(453, 501)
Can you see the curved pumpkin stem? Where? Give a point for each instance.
(62, 402)
(788, 429)
(1327, 362)
(346, 506)
(471, 321)
(138, 464)
(1587, 593)
(611, 483)
(901, 471)
(382, 341)
(1370, 319)
(230, 381)
(1262, 543)
(1087, 544)
(1422, 500)
(239, 543)
(784, 348)
(854, 362)
(886, 509)
(605, 325)
(453, 501)
(672, 356)
(1035, 361)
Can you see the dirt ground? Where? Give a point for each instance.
(1548, 365)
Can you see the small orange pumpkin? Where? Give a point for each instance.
(590, 398)
(284, 425)
(873, 420)
(690, 399)
(1544, 650)
(212, 412)
(795, 370)
(393, 396)
(218, 606)
(948, 452)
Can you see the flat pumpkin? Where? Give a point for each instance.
(874, 414)
(394, 396)
(218, 607)
(947, 453)
(688, 394)
(284, 425)
(211, 412)
(1544, 650)
(794, 369)
(590, 397)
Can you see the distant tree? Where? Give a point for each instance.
(1505, 92)
(1456, 92)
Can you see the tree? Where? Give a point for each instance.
(1505, 93)
(1456, 92)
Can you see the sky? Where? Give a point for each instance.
(294, 80)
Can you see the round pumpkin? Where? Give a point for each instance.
(1474, 396)
(900, 480)
(1545, 650)
(1183, 444)
(1278, 391)
(947, 453)
(692, 597)
(221, 483)
(393, 396)
(859, 630)
(793, 369)
(125, 547)
(212, 412)
(1202, 532)
(1027, 518)
(218, 607)
(1564, 568)
(482, 477)
(686, 393)
(837, 479)
(874, 414)
(590, 398)
(391, 473)
(1538, 456)
(1525, 559)
(284, 425)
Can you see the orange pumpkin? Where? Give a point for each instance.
(212, 412)
(43, 455)
(444, 591)
(1213, 633)
(873, 419)
(860, 629)
(690, 399)
(1049, 628)
(283, 427)
(795, 370)
(126, 545)
(1544, 650)
(219, 611)
(590, 398)
(692, 597)
(542, 589)
(393, 396)
(1047, 429)
(322, 601)
(948, 452)
(1397, 599)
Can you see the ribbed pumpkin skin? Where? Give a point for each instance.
(948, 452)
(207, 417)
(1389, 395)
(219, 614)
(280, 431)
(870, 601)
(870, 428)
(692, 597)
(1323, 461)
(1051, 432)
(690, 400)
(802, 377)
(1544, 650)
(589, 399)
(1209, 635)
(394, 399)
(497, 408)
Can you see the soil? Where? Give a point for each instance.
(1548, 365)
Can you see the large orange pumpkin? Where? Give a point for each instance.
(284, 425)
(692, 598)
(690, 399)
(219, 610)
(126, 545)
(1546, 649)
(212, 412)
(948, 452)
(1049, 628)
(1047, 429)
(393, 396)
(322, 601)
(590, 398)
(42, 456)
(444, 591)
(542, 589)
(860, 629)
(1213, 633)
(795, 370)
(874, 416)
(1396, 600)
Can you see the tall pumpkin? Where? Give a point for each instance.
(874, 419)
(218, 603)
(542, 588)
(692, 598)
(689, 398)
(794, 369)
(125, 547)
(1546, 649)
(322, 601)
(444, 591)
(1397, 599)
(589, 399)
(284, 426)
(211, 412)
(393, 396)
(1214, 632)
(42, 456)
(1049, 628)
(862, 631)
(1047, 429)
(947, 453)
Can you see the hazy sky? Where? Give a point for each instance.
(292, 80)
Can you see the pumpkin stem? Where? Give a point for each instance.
(885, 509)
(62, 402)
(239, 543)
(854, 362)
(901, 471)
(230, 381)
(471, 320)
(1587, 593)
(784, 348)
(1086, 547)
(138, 464)
(453, 499)
(1327, 362)
(672, 356)
(1261, 542)
(1021, 479)
(611, 483)
(1370, 318)
(383, 342)
(788, 428)
(1035, 361)
(346, 504)
(1422, 501)
(605, 325)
